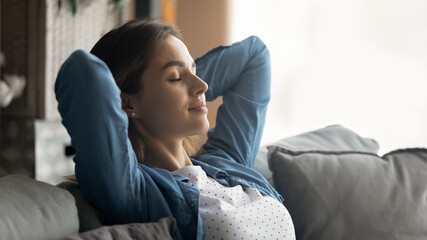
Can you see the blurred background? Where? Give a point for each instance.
(358, 63)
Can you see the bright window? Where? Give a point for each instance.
(360, 63)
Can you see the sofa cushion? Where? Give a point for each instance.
(164, 229)
(30, 209)
(330, 138)
(353, 195)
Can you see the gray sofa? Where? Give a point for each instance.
(31, 209)
(334, 184)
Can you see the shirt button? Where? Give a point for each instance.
(192, 205)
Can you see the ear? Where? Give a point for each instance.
(129, 105)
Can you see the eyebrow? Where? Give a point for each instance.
(176, 63)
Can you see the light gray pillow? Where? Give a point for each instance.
(330, 138)
(30, 209)
(164, 229)
(353, 195)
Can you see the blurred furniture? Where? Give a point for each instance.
(37, 36)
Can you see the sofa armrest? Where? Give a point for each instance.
(30, 209)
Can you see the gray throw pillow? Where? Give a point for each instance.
(330, 138)
(353, 195)
(164, 229)
(30, 209)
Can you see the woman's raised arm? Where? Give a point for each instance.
(241, 74)
(106, 167)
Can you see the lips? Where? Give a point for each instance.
(199, 107)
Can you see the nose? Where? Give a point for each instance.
(199, 86)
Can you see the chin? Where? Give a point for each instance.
(204, 127)
(207, 125)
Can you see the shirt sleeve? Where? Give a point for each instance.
(241, 74)
(105, 163)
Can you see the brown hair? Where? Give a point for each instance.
(127, 51)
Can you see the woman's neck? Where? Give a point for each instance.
(169, 155)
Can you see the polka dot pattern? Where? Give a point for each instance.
(238, 212)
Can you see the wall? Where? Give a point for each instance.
(204, 24)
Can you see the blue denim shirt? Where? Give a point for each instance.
(106, 166)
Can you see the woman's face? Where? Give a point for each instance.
(172, 100)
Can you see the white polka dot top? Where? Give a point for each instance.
(238, 212)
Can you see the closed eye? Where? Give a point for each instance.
(175, 79)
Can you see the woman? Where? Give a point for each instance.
(132, 135)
